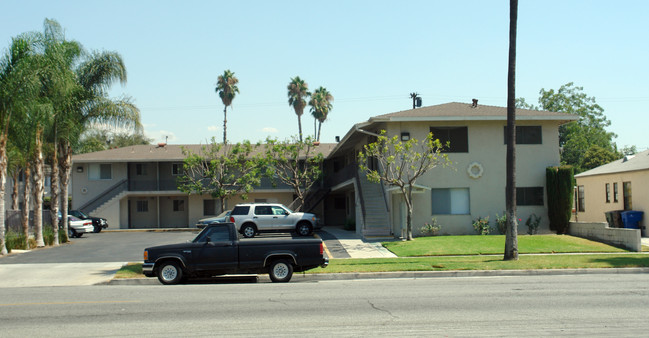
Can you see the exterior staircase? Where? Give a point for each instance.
(376, 219)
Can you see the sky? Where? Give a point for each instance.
(369, 54)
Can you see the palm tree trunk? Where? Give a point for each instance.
(319, 129)
(299, 126)
(54, 194)
(511, 234)
(65, 162)
(14, 193)
(27, 192)
(38, 189)
(3, 180)
(225, 122)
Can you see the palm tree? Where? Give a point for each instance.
(298, 90)
(18, 85)
(511, 238)
(320, 106)
(226, 87)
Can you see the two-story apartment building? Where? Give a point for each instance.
(134, 186)
(474, 187)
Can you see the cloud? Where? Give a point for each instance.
(213, 128)
(269, 130)
(160, 135)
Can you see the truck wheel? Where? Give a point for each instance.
(280, 271)
(304, 229)
(248, 231)
(170, 273)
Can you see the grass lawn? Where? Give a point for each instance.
(484, 245)
(443, 263)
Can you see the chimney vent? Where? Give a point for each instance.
(475, 103)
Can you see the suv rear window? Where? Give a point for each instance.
(240, 210)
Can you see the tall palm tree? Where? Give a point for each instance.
(320, 106)
(298, 91)
(18, 85)
(226, 87)
(511, 233)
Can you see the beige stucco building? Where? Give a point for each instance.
(619, 185)
(134, 186)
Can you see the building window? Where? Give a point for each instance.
(581, 204)
(451, 201)
(615, 194)
(179, 205)
(626, 194)
(209, 207)
(143, 206)
(176, 169)
(527, 135)
(608, 193)
(529, 196)
(456, 137)
(140, 169)
(98, 171)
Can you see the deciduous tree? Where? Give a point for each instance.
(401, 164)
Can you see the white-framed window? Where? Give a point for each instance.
(140, 169)
(176, 169)
(451, 201)
(100, 171)
(142, 206)
(179, 205)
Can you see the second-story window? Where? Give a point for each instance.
(527, 135)
(99, 171)
(456, 137)
(140, 169)
(176, 169)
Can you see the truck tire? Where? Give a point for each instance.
(169, 273)
(248, 230)
(304, 229)
(280, 271)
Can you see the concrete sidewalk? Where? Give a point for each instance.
(357, 247)
(57, 274)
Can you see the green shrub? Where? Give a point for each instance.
(501, 223)
(431, 229)
(481, 225)
(48, 235)
(533, 223)
(350, 224)
(15, 240)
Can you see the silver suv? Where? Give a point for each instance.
(252, 218)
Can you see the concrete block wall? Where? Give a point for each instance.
(599, 231)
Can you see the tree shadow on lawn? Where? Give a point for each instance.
(623, 262)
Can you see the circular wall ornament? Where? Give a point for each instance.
(475, 170)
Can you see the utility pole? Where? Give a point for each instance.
(416, 100)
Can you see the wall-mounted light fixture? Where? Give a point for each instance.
(79, 169)
(405, 136)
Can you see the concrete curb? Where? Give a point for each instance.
(394, 275)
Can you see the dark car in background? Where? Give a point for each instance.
(98, 223)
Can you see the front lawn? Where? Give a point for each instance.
(484, 245)
(446, 263)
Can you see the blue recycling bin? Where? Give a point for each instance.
(631, 218)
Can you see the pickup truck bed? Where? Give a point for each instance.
(217, 250)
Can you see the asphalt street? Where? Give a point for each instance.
(521, 306)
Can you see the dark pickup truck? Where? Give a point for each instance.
(217, 250)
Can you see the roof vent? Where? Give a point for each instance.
(627, 157)
(475, 103)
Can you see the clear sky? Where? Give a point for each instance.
(369, 54)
